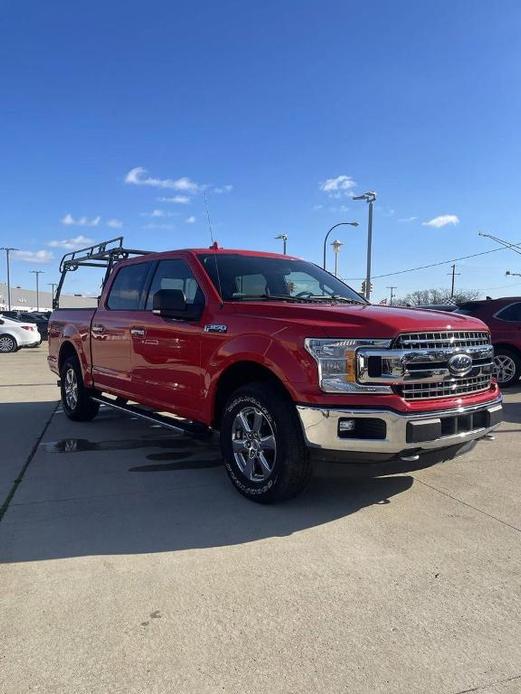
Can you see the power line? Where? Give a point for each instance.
(442, 262)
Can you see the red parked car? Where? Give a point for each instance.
(280, 357)
(503, 318)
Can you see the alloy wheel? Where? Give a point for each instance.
(7, 344)
(505, 368)
(71, 388)
(254, 444)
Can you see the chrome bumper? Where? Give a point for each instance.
(397, 432)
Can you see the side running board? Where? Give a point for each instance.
(170, 422)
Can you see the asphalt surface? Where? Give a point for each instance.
(130, 564)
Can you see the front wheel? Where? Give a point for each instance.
(262, 444)
(507, 366)
(76, 401)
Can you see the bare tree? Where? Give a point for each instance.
(422, 297)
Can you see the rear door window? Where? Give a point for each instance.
(127, 289)
(511, 313)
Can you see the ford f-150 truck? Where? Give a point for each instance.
(280, 357)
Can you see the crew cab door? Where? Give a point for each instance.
(113, 327)
(166, 369)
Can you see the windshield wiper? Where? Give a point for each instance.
(267, 297)
(335, 297)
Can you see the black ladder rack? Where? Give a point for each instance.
(104, 255)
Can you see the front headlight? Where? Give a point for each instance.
(337, 364)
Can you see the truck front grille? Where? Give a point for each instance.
(442, 340)
(477, 381)
(445, 389)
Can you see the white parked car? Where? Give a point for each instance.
(16, 333)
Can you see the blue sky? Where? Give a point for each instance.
(280, 110)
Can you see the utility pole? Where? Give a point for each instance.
(52, 285)
(37, 273)
(284, 239)
(370, 198)
(453, 273)
(391, 298)
(7, 251)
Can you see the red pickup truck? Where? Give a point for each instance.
(284, 360)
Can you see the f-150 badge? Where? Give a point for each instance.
(215, 328)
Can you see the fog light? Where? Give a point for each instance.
(346, 425)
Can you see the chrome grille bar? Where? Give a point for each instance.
(445, 389)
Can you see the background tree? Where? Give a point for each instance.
(421, 297)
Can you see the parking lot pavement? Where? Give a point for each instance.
(130, 564)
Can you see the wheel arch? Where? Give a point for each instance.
(239, 374)
(67, 350)
(510, 347)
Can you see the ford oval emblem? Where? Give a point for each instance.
(460, 364)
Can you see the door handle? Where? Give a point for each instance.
(98, 328)
(137, 332)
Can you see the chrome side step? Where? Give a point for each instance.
(185, 425)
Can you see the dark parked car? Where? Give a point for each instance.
(503, 317)
(41, 319)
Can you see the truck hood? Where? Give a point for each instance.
(346, 320)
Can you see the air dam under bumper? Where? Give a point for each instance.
(389, 433)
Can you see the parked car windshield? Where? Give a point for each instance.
(242, 277)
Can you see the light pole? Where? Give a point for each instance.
(7, 251)
(512, 274)
(350, 224)
(369, 197)
(37, 273)
(284, 239)
(336, 245)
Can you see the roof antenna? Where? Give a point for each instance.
(214, 247)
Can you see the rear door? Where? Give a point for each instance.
(506, 326)
(166, 371)
(113, 326)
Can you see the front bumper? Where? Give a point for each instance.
(391, 433)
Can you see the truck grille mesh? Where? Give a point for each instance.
(442, 340)
(475, 383)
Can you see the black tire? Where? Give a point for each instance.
(76, 400)
(507, 365)
(274, 465)
(8, 343)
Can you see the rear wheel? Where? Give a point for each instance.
(8, 343)
(76, 401)
(262, 444)
(507, 366)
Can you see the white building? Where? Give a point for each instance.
(25, 299)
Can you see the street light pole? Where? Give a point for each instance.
(7, 251)
(336, 245)
(284, 239)
(369, 197)
(351, 224)
(37, 273)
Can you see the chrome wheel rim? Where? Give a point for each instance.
(504, 367)
(6, 344)
(71, 389)
(254, 445)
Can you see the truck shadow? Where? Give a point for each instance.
(79, 501)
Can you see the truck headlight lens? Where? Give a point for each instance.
(337, 364)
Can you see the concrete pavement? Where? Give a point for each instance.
(130, 564)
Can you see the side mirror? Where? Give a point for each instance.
(171, 303)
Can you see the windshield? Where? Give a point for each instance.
(241, 278)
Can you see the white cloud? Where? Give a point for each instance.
(177, 199)
(157, 214)
(115, 223)
(190, 220)
(318, 207)
(34, 256)
(441, 221)
(223, 189)
(407, 219)
(139, 177)
(69, 220)
(72, 244)
(153, 225)
(339, 186)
